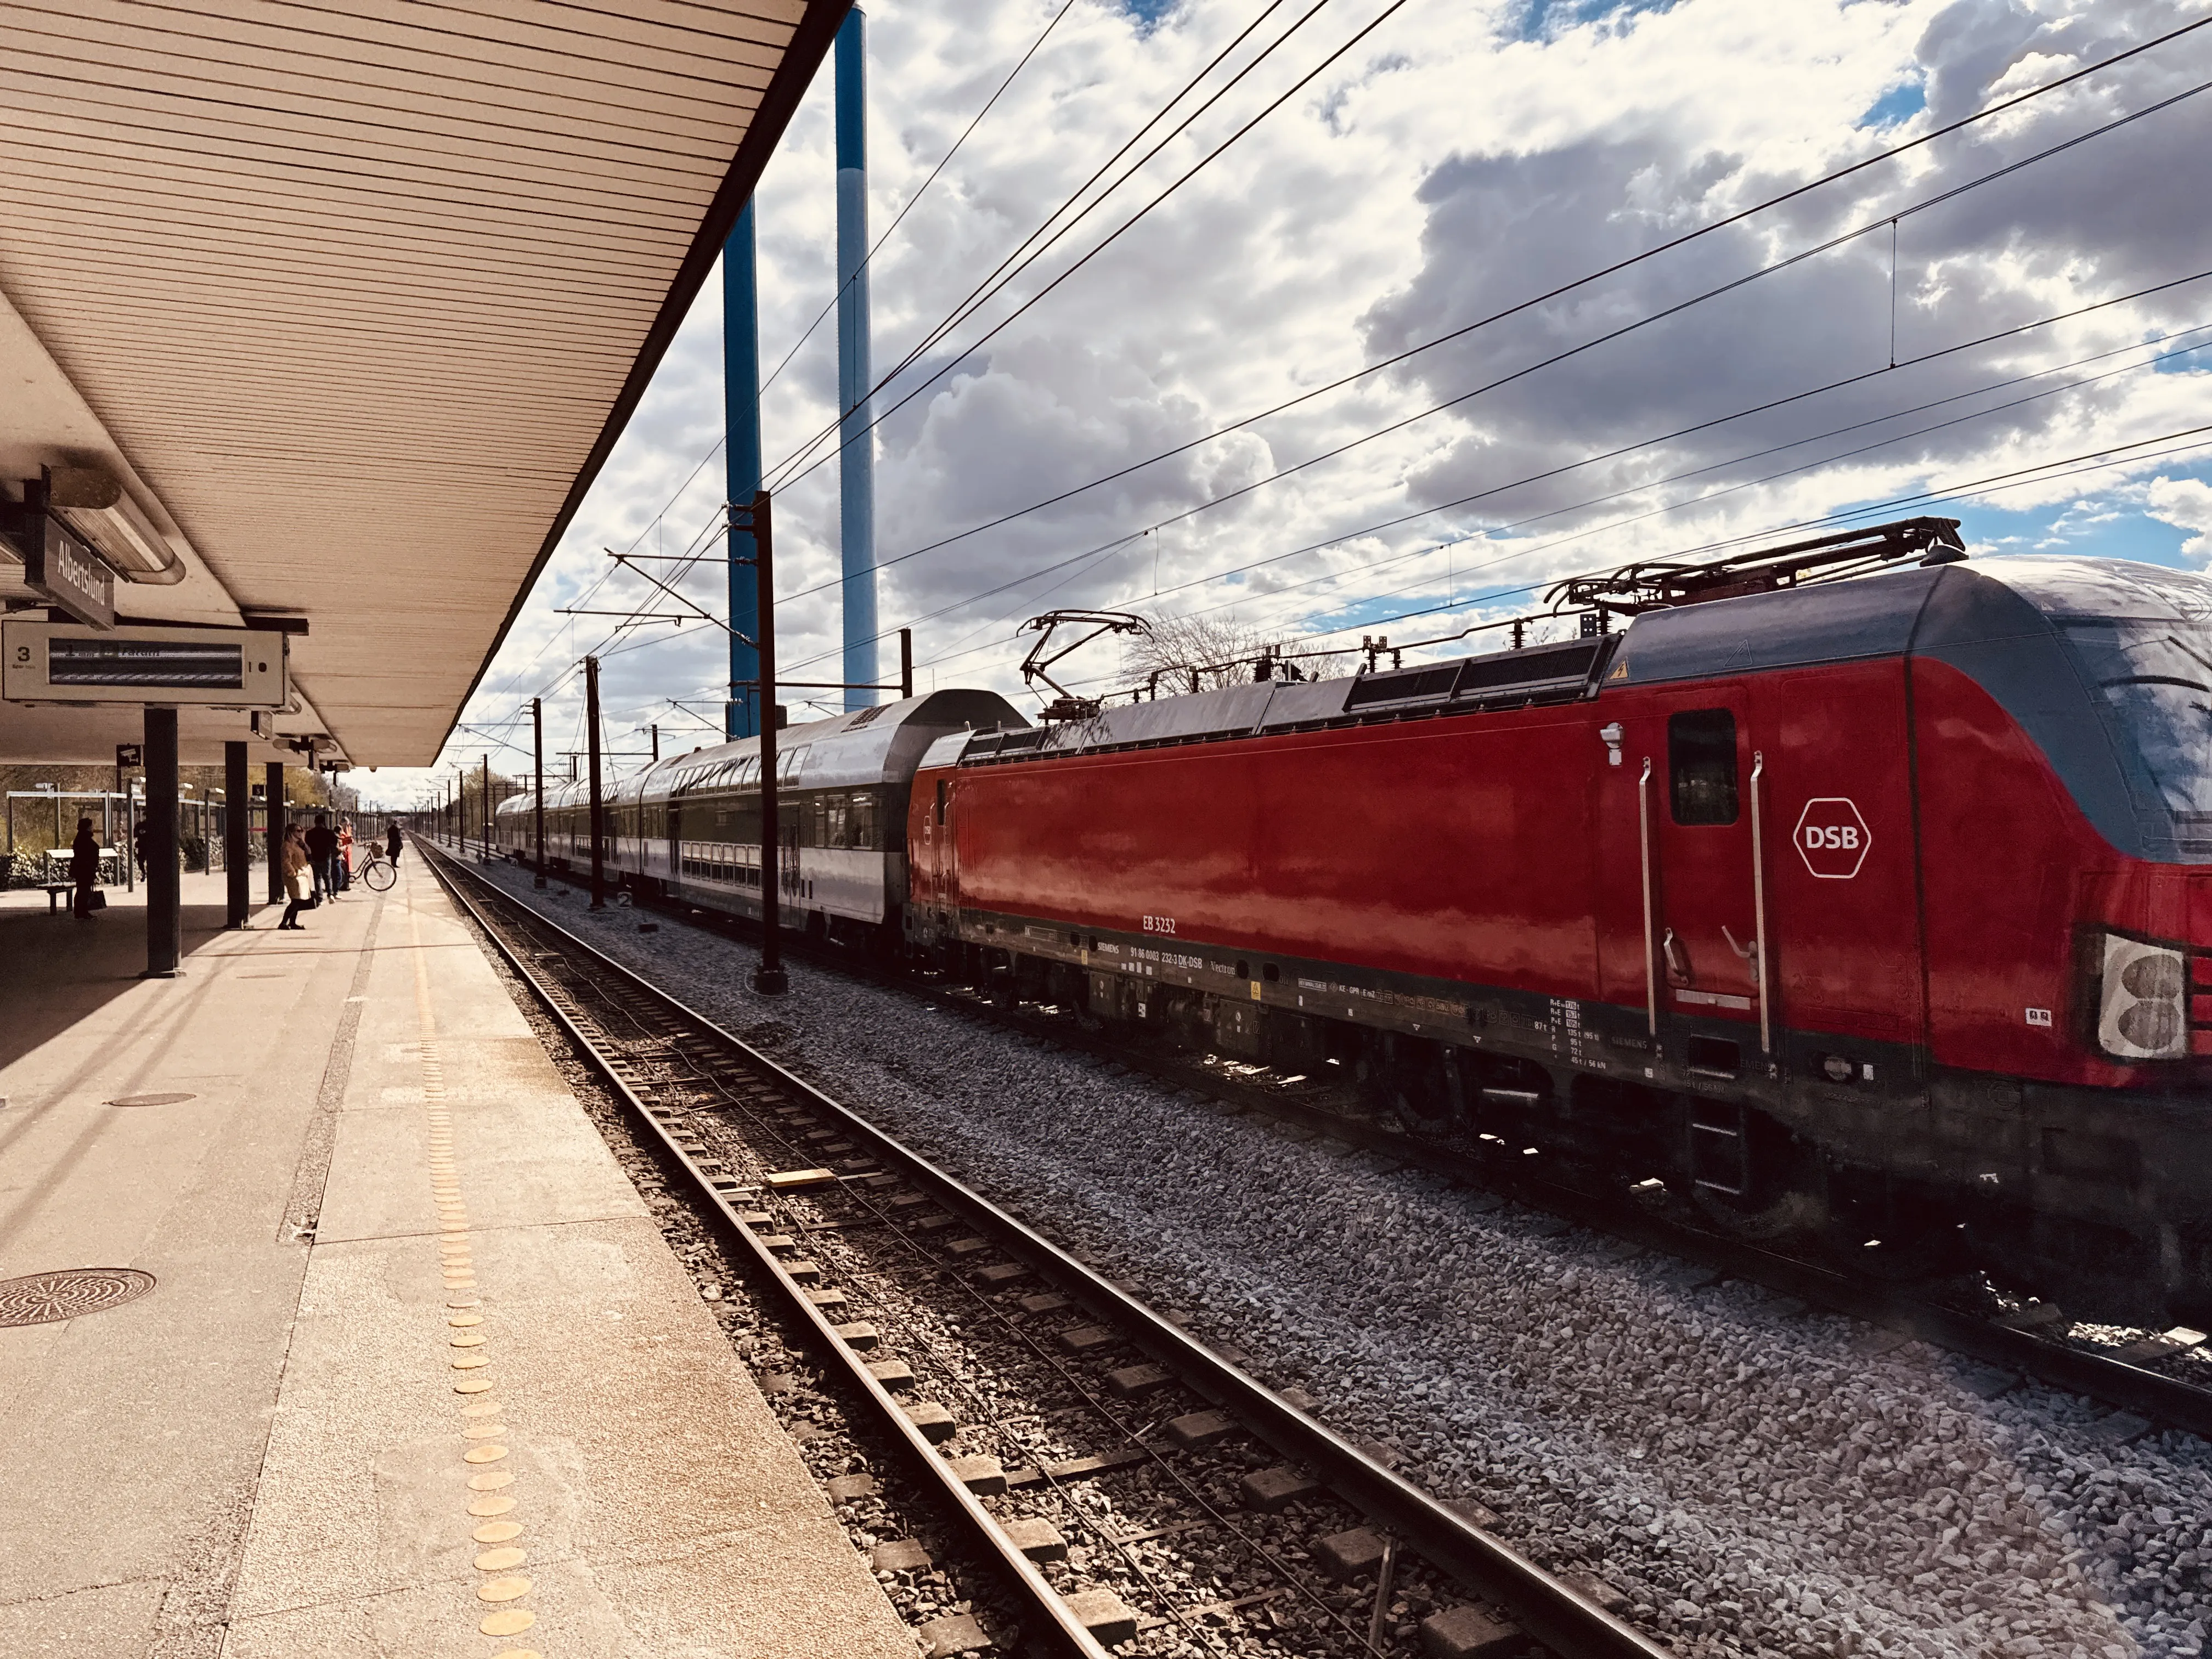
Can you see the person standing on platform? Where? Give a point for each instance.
(84, 866)
(294, 863)
(322, 845)
(138, 848)
(345, 870)
(392, 843)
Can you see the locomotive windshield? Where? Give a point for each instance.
(2107, 665)
(2156, 676)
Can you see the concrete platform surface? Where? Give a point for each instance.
(417, 1375)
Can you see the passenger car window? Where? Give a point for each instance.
(1701, 764)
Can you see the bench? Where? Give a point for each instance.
(54, 891)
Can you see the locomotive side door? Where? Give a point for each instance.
(1704, 921)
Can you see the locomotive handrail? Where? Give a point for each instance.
(1759, 908)
(1643, 848)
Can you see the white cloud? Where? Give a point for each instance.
(1459, 161)
(2185, 503)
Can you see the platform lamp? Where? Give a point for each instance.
(92, 502)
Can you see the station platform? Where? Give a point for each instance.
(380, 1352)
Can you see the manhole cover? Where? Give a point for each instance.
(45, 1299)
(152, 1100)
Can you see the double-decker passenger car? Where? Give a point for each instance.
(689, 827)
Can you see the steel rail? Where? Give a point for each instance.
(1547, 1610)
(1044, 1600)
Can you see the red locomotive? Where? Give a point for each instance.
(1878, 907)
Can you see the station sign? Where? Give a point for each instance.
(61, 566)
(43, 662)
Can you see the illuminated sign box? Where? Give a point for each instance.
(208, 667)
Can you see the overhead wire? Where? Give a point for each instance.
(807, 333)
(1689, 236)
(721, 443)
(1705, 499)
(788, 477)
(983, 288)
(1645, 321)
(1076, 561)
(1562, 289)
(2025, 478)
(1585, 504)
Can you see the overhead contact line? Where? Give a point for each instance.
(1564, 288)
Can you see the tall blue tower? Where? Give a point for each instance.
(856, 451)
(742, 452)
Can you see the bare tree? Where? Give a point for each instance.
(1183, 654)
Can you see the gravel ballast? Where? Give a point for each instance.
(1751, 1478)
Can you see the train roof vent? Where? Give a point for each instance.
(1402, 688)
(1005, 743)
(1505, 675)
(867, 714)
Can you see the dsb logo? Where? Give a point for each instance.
(1832, 838)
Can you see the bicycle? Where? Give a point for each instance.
(379, 873)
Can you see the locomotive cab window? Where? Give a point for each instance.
(1701, 764)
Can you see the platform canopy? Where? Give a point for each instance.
(349, 301)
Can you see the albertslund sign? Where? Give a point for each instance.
(62, 568)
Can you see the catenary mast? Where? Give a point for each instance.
(856, 462)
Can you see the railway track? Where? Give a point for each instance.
(1133, 1488)
(2145, 1399)
(2033, 1346)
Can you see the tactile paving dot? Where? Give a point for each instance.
(499, 1560)
(497, 1532)
(502, 1589)
(153, 1100)
(508, 1621)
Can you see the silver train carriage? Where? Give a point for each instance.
(689, 827)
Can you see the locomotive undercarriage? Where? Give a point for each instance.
(1865, 1159)
(2083, 1196)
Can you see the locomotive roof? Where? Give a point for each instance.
(861, 746)
(2014, 625)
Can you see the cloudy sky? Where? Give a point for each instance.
(1443, 166)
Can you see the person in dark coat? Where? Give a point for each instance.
(322, 844)
(84, 866)
(392, 843)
